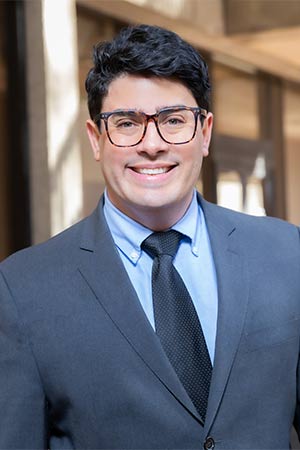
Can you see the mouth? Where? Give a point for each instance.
(152, 170)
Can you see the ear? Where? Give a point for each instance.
(94, 137)
(206, 133)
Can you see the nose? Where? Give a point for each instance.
(152, 142)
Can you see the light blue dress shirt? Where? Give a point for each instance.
(194, 262)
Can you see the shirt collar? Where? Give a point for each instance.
(128, 235)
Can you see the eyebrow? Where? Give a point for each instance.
(159, 108)
(178, 105)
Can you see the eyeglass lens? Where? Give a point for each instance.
(127, 128)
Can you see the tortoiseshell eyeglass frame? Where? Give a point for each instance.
(197, 111)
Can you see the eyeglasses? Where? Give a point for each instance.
(175, 125)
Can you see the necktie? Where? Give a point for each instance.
(176, 320)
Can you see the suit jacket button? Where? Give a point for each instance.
(209, 444)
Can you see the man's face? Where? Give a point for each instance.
(153, 179)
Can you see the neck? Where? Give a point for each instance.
(157, 219)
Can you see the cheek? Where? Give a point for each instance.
(112, 164)
(196, 157)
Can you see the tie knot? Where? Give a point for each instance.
(162, 243)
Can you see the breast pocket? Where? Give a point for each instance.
(269, 337)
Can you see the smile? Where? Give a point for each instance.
(153, 171)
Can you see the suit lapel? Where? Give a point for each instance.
(232, 301)
(103, 270)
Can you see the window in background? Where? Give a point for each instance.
(239, 159)
(247, 147)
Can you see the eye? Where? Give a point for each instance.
(125, 123)
(122, 122)
(173, 120)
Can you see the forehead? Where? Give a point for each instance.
(147, 94)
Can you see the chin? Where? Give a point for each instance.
(159, 201)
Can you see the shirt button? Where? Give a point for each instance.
(134, 256)
(209, 444)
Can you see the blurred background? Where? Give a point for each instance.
(48, 179)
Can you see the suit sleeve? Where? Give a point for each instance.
(297, 413)
(22, 400)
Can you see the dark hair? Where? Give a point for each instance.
(147, 51)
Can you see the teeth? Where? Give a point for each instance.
(156, 171)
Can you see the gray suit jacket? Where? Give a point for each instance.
(81, 367)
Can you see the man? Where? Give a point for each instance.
(108, 342)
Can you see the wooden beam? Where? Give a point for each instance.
(270, 113)
(276, 110)
(217, 46)
(3, 81)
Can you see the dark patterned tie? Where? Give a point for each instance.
(176, 320)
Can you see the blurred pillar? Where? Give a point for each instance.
(270, 112)
(53, 108)
(15, 207)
